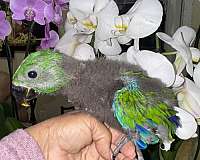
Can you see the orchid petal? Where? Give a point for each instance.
(189, 98)
(17, 7)
(89, 7)
(196, 76)
(39, 7)
(195, 54)
(54, 38)
(110, 47)
(121, 58)
(70, 21)
(179, 64)
(130, 52)
(144, 21)
(5, 27)
(100, 4)
(49, 13)
(187, 56)
(178, 81)
(68, 43)
(188, 125)
(182, 49)
(124, 39)
(83, 10)
(84, 52)
(106, 21)
(188, 34)
(70, 40)
(164, 37)
(51, 41)
(58, 15)
(155, 64)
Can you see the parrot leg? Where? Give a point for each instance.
(138, 151)
(130, 137)
(133, 137)
(121, 143)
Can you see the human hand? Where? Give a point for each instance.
(78, 136)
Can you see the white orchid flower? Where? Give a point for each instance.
(155, 64)
(141, 20)
(73, 44)
(83, 17)
(181, 40)
(84, 20)
(189, 98)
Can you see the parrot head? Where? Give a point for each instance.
(40, 73)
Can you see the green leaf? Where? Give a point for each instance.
(7, 110)
(3, 131)
(12, 124)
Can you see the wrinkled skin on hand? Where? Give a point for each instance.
(78, 136)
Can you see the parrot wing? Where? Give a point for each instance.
(141, 112)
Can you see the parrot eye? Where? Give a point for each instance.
(32, 74)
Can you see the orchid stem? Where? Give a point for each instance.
(33, 102)
(10, 68)
(29, 39)
(137, 44)
(168, 53)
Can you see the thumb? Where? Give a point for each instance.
(102, 138)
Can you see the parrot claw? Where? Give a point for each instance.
(123, 140)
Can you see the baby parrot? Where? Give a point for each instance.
(119, 94)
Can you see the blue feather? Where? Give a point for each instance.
(175, 119)
(141, 144)
(146, 135)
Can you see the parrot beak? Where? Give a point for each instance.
(23, 95)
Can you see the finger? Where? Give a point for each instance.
(102, 138)
(129, 150)
(116, 135)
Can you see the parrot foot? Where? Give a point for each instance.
(123, 140)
